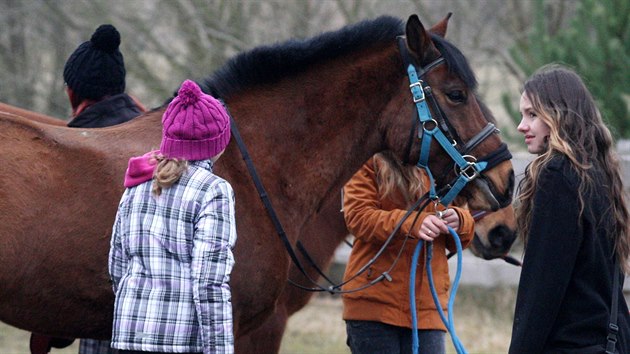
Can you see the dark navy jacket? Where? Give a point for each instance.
(110, 111)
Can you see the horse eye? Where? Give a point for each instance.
(456, 96)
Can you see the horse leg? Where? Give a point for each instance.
(42, 344)
(265, 339)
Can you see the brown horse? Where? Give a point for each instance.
(494, 234)
(311, 112)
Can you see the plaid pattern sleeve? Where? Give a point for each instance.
(170, 262)
(212, 261)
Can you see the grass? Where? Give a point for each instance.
(483, 321)
(15, 341)
(317, 328)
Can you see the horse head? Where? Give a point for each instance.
(446, 87)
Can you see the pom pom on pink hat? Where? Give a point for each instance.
(195, 125)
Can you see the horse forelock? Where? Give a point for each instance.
(268, 64)
(455, 61)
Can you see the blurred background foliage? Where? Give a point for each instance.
(167, 41)
(595, 40)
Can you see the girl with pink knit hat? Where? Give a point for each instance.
(173, 238)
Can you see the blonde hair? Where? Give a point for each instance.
(577, 132)
(402, 183)
(167, 172)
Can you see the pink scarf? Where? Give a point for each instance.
(140, 169)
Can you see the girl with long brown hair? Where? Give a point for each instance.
(574, 221)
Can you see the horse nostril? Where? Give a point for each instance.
(495, 237)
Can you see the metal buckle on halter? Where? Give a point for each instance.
(436, 203)
(427, 127)
(419, 85)
(469, 172)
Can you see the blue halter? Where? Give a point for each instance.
(468, 170)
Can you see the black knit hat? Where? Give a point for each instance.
(96, 68)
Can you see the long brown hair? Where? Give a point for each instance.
(578, 132)
(397, 181)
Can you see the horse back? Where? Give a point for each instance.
(60, 191)
(6, 109)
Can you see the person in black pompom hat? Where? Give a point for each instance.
(96, 68)
(95, 82)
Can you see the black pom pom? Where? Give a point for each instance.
(106, 38)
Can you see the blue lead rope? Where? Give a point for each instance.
(459, 347)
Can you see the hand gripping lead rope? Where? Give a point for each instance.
(459, 347)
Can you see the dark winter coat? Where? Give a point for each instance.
(565, 291)
(110, 111)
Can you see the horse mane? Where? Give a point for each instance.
(268, 64)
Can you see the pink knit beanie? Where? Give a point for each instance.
(195, 126)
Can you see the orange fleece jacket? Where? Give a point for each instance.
(371, 219)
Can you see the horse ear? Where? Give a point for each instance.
(440, 27)
(419, 40)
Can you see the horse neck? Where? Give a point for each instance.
(311, 133)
